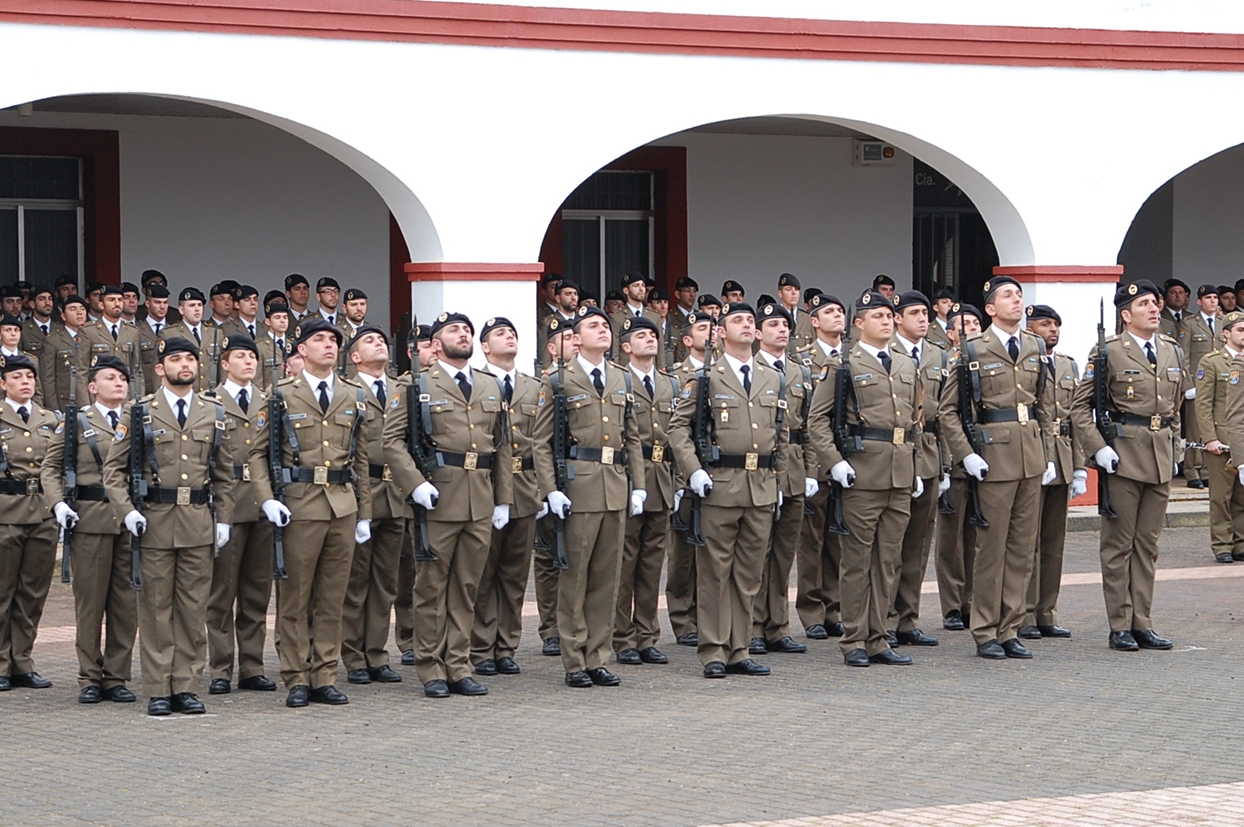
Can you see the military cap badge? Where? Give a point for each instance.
(442, 317)
(160, 346)
(985, 288)
(1131, 289)
(553, 324)
(866, 298)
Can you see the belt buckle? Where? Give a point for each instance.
(751, 461)
(1021, 411)
(387, 474)
(899, 436)
(471, 461)
(658, 453)
(320, 475)
(32, 485)
(183, 495)
(246, 472)
(1155, 423)
(516, 465)
(606, 456)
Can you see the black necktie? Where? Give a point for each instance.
(113, 419)
(114, 333)
(747, 379)
(779, 366)
(1210, 322)
(181, 412)
(1050, 366)
(884, 359)
(331, 321)
(324, 397)
(251, 328)
(23, 413)
(44, 328)
(197, 337)
(915, 353)
(598, 383)
(1153, 357)
(1012, 347)
(648, 387)
(280, 344)
(464, 386)
(508, 389)
(380, 395)
(243, 402)
(1179, 317)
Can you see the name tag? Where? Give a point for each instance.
(297, 416)
(1130, 372)
(723, 396)
(992, 366)
(160, 432)
(576, 398)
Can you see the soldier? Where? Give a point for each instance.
(274, 343)
(328, 295)
(237, 607)
(658, 302)
(152, 279)
(419, 341)
(740, 495)
(109, 335)
(548, 297)
(499, 600)
(221, 301)
(1145, 379)
(613, 302)
(60, 351)
(637, 629)
(884, 285)
(11, 300)
(298, 294)
(1013, 409)
(246, 302)
(10, 335)
(129, 302)
(911, 337)
(327, 510)
(353, 312)
(802, 331)
(771, 611)
(28, 532)
(208, 339)
(732, 291)
(1202, 338)
(604, 449)
(636, 290)
(939, 324)
(1177, 295)
(465, 499)
(100, 558)
(188, 468)
(94, 301)
(685, 290)
(817, 597)
(149, 329)
(37, 326)
(1226, 499)
(1226, 299)
(788, 295)
(65, 286)
(710, 305)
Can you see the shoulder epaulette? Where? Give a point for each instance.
(148, 398)
(288, 380)
(1113, 338)
(1170, 339)
(348, 381)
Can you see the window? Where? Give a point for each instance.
(41, 218)
(607, 226)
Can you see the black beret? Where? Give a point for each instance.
(240, 341)
(61, 281)
(821, 300)
(245, 291)
(810, 292)
(650, 283)
(112, 290)
(1128, 293)
(775, 311)
(685, 282)
(586, 311)
(327, 282)
(1173, 282)
(18, 361)
(130, 287)
(1226, 288)
(588, 298)
(221, 288)
(550, 276)
(706, 300)
(365, 329)
(1205, 290)
(149, 275)
(191, 294)
(656, 294)
(733, 308)
(965, 309)
(107, 360)
(764, 299)
(631, 276)
(731, 286)
(881, 279)
(632, 323)
(614, 295)
(10, 320)
(912, 298)
(1043, 311)
(175, 344)
(75, 299)
(555, 324)
(995, 284)
(943, 294)
(495, 322)
(157, 291)
(870, 300)
(318, 324)
(353, 294)
(788, 280)
(11, 291)
(39, 290)
(694, 318)
(294, 279)
(446, 319)
(566, 284)
(276, 307)
(422, 333)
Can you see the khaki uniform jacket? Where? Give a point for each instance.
(817, 360)
(885, 400)
(800, 455)
(1175, 329)
(1014, 450)
(33, 336)
(803, 334)
(652, 415)
(684, 372)
(616, 323)
(524, 405)
(387, 502)
(744, 424)
(213, 345)
(173, 316)
(59, 352)
(929, 454)
(677, 320)
(270, 356)
(1233, 431)
(181, 455)
(1062, 441)
(25, 444)
(323, 440)
(147, 351)
(938, 335)
(478, 426)
(1213, 377)
(596, 422)
(96, 340)
(94, 516)
(240, 431)
(229, 327)
(1199, 340)
(261, 328)
(1136, 387)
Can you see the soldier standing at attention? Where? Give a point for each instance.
(187, 466)
(1203, 336)
(206, 339)
(1177, 296)
(1226, 499)
(237, 608)
(604, 448)
(884, 285)
(109, 335)
(740, 491)
(373, 573)
(298, 293)
(499, 600)
(466, 498)
(788, 295)
(327, 511)
(1010, 402)
(939, 322)
(328, 295)
(101, 556)
(418, 345)
(1145, 380)
(60, 352)
(634, 290)
(28, 532)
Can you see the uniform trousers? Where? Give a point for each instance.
(904, 613)
(639, 584)
(237, 608)
(498, 623)
(818, 599)
(680, 581)
(870, 560)
(1047, 563)
(771, 612)
(370, 594)
(729, 568)
(587, 592)
(172, 618)
(1004, 553)
(317, 557)
(1129, 551)
(955, 553)
(101, 589)
(1226, 506)
(445, 598)
(404, 602)
(27, 561)
(546, 574)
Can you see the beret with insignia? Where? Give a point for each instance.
(327, 283)
(775, 311)
(494, 323)
(446, 319)
(633, 323)
(176, 344)
(789, 280)
(586, 312)
(1128, 293)
(354, 294)
(309, 328)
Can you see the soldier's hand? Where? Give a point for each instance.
(1107, 459)
(810, 487)
(843, 474)
(65, 516)
(943, 485)
(501, 516)
(1241, 474)
(1079, 483)
(559, 504)
(544, 510)
(1190, 393)
(1214, 446)
(362, 531)
(276, 513)
(223, 531)
(781, 500)
(638, 497)
(975, 465)
(701, 483)
(1051, 473)
(918, 491)
(426, 496)
(678, 498)
(135, 523)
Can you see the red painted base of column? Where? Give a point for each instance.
(457, 271)
(1060, 274)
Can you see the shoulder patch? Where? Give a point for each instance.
(1235, 377)
(1200, 373)
(121, 431)
(60, 428)
(261, 419)
(397, 400)
(1088, 371)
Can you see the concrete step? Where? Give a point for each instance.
(1180, 513)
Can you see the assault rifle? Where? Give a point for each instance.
(276, 472)
(140, 427)
(703, 433)
(421, 447)
(71, 459)
(846, 444)
(967, 418)
(1106, 426)
(563, 473)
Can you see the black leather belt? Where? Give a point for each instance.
(242, 472)
(1000, 415)
(318, 475)
(749, 461)
(895, 436)
(650, 451)
(797, 436)
(377, 472)
(1064, 429)
(606, 456)
(467, 461)
(180, 496)
(92, 493)
(528, 463)
(1153, 423)
(21, 487)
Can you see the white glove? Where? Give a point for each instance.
(1190, 393)
(678, 498)
(223, 530)
(843, 474)
(426, 495)
(544, 509)
(65, 516)
(781, 499)
(919, 490)
(362, 531)
(701, 483)
(1107, 459)
(1050, 473)
(1242, 475)
(975, 465)
(810, 487)
(559, 504)
(276, 512)
(638, 497)
(943, 485)
(1079, 483)
(136, 523)
(501, 516)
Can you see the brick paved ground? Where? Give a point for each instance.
(815, 740)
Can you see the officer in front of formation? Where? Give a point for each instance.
(1226, 498)
(1146, 378)
(187, 466)
(27, 530)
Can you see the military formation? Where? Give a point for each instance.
(192, 455)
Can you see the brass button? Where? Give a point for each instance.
(25, 433)
(754, 445)
(755, 425)
(324, 423)
(29, 449)
(326, 442)
(185, 476)
(606, 437)
(468, 407)
(602, 419)
(750, 405)
(515, 446)
(34, 465)
(245, 424)
(184, 438)
(328, 463)
(248, 442)
(183, 456)
(473, 446)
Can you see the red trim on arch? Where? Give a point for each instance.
(416, 21)
(455, 271)
(1061, 274)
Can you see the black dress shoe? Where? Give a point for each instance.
(1238, 556)
(651, 654)
(330, 695)
(629, 657)
(507, 666)
(1015, 649)
(916, 638)
(1224, 557)
(90, 695)
(786, 645)
(358, 676)
(835, 629)
(603, 677)
(579, 680)
(1148, 639)
(889, 657)
(552, 647)
(384, 674)
(119, 695)
(467, 686)
(257, 683)
(715, 669)
(689, 639)
(953, 622)
(990, 650)
(159, 707)
(757, 646)
(436, 689)
(816, 632)
(1029, 633)
(30, 680)
(408, 657)
(1053, 631)
(891, 639)
(219, 686)
(299, 696)
(856, 657)
(748, 667)
(1123, 642)
(5, 686)
(188, 703)
(486, 667)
